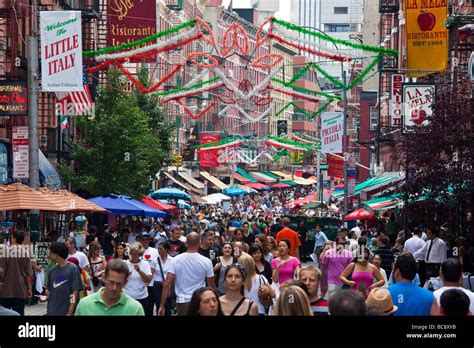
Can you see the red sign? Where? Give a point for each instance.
(335, 166)
(131, 20)
(396, 100)
(209, 158)
(13, 98)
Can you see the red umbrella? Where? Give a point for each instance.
(359, 214)
(157, 205)
(339, 186)
(281, 185)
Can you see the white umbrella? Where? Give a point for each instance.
(216, 198)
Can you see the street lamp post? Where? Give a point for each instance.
(344, 140)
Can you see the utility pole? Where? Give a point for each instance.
(344, 140)
(33, 89)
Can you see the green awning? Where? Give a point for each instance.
(273, 176)
(246, 175)
(288, 182)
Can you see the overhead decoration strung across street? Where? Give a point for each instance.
(223, 90)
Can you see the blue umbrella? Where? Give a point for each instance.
(123, 205)
(170, 192)
(235, 191)
(182, 204)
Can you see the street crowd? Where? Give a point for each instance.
(246, 260)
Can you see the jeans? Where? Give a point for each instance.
(15, 304)
(157, 289)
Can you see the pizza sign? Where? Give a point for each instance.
(418, 100)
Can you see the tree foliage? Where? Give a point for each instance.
(440, 155)
(124, 145)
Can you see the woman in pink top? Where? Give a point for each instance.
(362, 274)
(285, 265)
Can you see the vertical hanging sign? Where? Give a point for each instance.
(20, 144)
(396, 100)
(61, 51)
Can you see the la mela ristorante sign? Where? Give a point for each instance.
(61, 51)
(418, 101)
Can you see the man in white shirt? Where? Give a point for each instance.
(73, 252)
(189, 271)
(434, 253)
(451, 275)
(412, 245)
(358, 229)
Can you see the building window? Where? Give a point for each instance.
(341, 10)
(337, 28)
(373, 118)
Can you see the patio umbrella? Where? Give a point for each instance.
(280, 185)
(215, 198)
(170, 192)
(258, 186)
(123, 205)
(234, 191)
(315, 204)
(360, 214)
(183, 205)
(21, 197)
(157, 204)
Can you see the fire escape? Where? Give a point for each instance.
(12, 53)
(388, 10)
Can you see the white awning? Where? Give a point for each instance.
(282, 175)
(196, 183)
(262, 177)
(183, 185)
(213, 180)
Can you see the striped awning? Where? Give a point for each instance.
(246, 175)
(21, 197)
(282, 175)
(289, 182)
(196, 183)
(262, 177)
(181, 184)
(213, 180)
(240, 178)
(271, 175)
(71, 202)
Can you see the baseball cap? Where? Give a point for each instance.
(143, 234)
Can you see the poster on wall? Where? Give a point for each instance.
(396, 100)
(418, 100)
(426, 36)
(331, 132)
(20, 145)
(61, 51)
(129, 21)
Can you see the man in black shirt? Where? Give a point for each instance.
(176, 246)
(107, 243)
(276, 227)
(205, 249)
(249, 238)
(387, 256)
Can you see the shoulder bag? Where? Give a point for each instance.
(349, 277)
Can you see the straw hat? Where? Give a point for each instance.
(381, 299)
